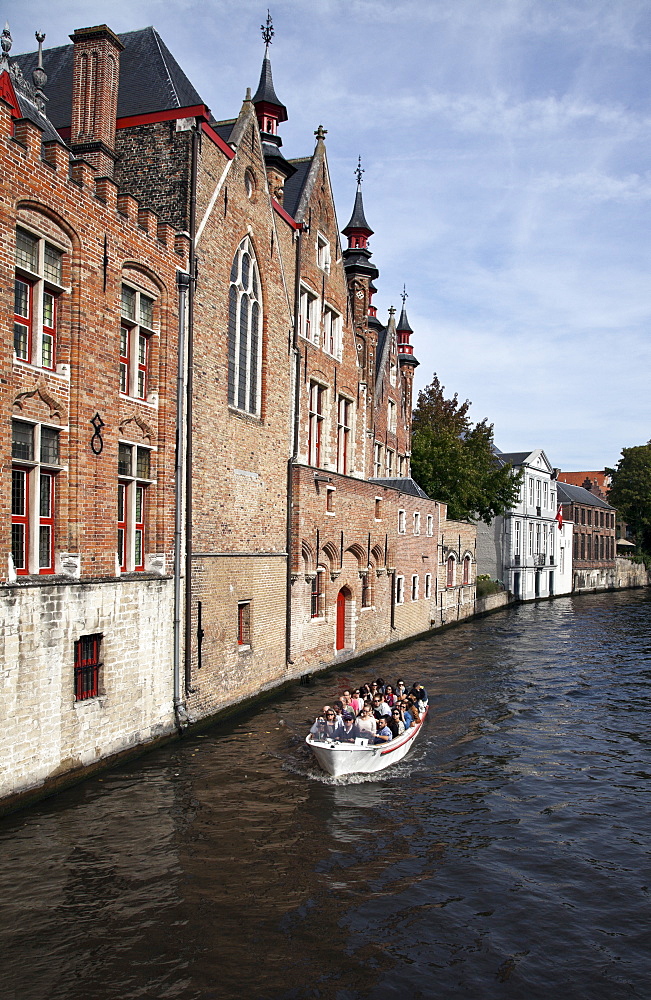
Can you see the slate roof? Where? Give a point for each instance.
(150, 78)
(294, 185)
(514, 457)
(576, 494)
(403, 322)
(224, 129)
(26, 97)
(266, 91)
(358, 219)
(404, 485)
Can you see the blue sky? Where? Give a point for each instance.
(506, 153)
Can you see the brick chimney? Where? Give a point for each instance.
(95, 80)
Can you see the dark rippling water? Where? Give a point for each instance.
(507, 856)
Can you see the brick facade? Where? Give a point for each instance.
(59, 572)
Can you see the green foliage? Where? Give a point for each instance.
(630, 491)
(452, 458)
(486, 586)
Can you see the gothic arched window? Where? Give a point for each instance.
(244, 331)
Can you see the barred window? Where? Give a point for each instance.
(87, 666)
(244, 331)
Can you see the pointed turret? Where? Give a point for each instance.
(270, 111)
(404, 332)
(357, 256)
(268, 106)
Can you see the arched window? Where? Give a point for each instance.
(244, 331)
(451, 574)
(466, 570)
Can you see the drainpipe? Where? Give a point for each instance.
(183, 284)
(290, 464)
(188, 464)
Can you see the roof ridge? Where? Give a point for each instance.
(159, 43)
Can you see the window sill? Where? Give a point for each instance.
(244, 648)
(244, 415)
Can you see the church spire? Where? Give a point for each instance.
(268, 106)
(403, 334)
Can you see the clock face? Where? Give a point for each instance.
(360, 294)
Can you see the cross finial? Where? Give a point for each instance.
(359, 171)
(404, 295)
(321, 132)
(392, 311)
(267, 30)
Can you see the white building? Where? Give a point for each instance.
(525, 549)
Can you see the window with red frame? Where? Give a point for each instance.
(315, 428)
(38, 285)
(134, 478)
(35, 454)
(244, 623)
(87, 666)
(451, 571)
(136, 331)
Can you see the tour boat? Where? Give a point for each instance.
(362, 757)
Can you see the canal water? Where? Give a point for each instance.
(506, 856)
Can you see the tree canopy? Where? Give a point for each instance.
(453, 459)
(630, 491)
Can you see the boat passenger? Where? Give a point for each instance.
(415, 714)
(366, 723)
(380, 705)
(347, 731)
(380, 684)
(384, 733)
(325, 726)
(405, 714)
(345, 698)
(389, 695)
(395, 723)
(401, 690)
(338, 706)
(356, 702)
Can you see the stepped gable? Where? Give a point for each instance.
(150, 78)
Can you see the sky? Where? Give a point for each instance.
(506, 152)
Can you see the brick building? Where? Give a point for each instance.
(87, 439)
(594, 545)
(286, 533)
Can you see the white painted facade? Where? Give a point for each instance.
(46, 731)
(525, 549)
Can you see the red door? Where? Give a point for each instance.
(341, 619)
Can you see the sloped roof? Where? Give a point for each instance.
(224, 129)
(150, 78)
(294, 185)
(514, 457)
(403, 322)
(404, 485)
(266, 91)
(567, 493)
(358, 219)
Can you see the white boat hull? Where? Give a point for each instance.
(354, 758)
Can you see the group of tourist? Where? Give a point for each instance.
(375, 712)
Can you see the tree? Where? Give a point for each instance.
(453, 459)
(630, 491)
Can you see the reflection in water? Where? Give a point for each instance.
(506, 853)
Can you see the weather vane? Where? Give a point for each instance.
(267, 30)
(360, 170)
(404, 295)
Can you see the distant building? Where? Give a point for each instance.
(594, 543)
(525, 549)
(597, 482)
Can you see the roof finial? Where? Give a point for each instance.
(321, 132)
(39, 76)
(392, 311)
(267, 30)
(6, 41)
(359, 171)
(404, 295)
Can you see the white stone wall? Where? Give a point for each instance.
(44, 732)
